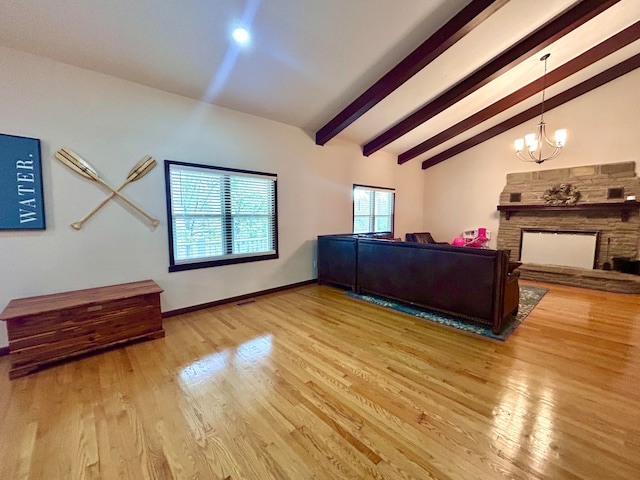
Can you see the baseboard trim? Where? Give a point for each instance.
(4, 351)
(239, 298)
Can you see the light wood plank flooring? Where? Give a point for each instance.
(310, 384)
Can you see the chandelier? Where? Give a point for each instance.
(537, 142)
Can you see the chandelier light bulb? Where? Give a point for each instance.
(519, 144)
(529, 139)
(561, 137)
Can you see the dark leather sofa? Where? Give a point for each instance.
(470, 283)
(337, 256)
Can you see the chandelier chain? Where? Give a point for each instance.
(544, 86)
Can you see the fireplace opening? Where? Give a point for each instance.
(568, 248)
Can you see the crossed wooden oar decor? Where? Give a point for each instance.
(81, 167)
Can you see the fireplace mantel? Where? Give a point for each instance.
(625, 208)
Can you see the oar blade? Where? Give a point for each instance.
(75, 163)
(143, 167)
(138, 165)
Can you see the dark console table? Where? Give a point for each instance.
(337, 260)
(337, 256)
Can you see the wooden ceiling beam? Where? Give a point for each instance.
(594, 82)
(618, 41)
(542, 37)
(460, 25)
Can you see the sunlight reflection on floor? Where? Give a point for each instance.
(521, 414)
(205, 368)
(254, 350)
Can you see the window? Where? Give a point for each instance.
(373, 209)
(219, 216)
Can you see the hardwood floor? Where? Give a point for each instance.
(310, 384)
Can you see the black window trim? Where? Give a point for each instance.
(353, 204)
(173, 267)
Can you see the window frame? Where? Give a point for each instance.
(226, 220)
(372, 216)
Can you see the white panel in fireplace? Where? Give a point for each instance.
(559, 248)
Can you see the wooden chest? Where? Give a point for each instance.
(48, 328)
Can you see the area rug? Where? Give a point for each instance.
(529, 298)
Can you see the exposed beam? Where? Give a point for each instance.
(461, 24)
(621, 39)
(542, 37)
(594, 82)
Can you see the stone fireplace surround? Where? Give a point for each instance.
(614, 218)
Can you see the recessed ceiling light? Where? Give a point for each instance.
(240, 35)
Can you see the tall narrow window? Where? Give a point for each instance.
(219, 216)
(373, 209)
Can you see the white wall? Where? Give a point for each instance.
(602, 127)
(112, 124)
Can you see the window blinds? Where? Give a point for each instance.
(373, 209)
(220, 214)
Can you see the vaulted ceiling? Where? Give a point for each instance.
(422, 81)
(592, 42)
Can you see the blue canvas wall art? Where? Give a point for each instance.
(21, 197)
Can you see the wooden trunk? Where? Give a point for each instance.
(49, 328)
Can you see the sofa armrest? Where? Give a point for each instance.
(511, 295)
(513, 266)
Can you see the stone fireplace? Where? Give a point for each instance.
(607, 209)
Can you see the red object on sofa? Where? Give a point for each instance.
(480, 241)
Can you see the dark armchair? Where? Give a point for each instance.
(422, 237)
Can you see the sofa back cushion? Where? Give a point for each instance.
(420, 237)
(452, 279)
